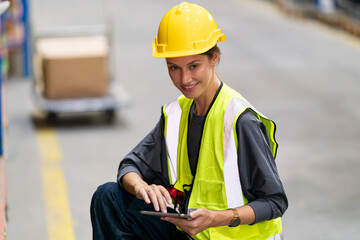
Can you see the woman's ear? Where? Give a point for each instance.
(215, 59)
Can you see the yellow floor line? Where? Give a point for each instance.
(59, 223)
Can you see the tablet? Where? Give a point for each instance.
(161, 214)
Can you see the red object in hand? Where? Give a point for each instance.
(177, 195)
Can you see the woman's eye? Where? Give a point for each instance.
(194, 66)
(173, 68)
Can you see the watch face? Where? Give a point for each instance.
(235, 222)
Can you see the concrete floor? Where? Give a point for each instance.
(300, 73)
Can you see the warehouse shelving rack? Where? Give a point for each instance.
(3, 200)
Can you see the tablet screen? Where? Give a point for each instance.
(161, 214)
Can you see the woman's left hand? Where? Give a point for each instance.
(201, 219)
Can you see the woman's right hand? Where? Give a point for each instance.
(155, 194)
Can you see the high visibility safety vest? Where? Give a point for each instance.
(216, 185)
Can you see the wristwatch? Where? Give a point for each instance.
(236, 220)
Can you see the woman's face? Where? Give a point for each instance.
(193, 75)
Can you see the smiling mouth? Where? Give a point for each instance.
(189, 87)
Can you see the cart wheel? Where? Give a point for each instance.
(110, 115)
(52, 117)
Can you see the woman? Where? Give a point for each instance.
(211, 153)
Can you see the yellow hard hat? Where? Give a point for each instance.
(186, 29)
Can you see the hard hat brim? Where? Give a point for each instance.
(181, 53)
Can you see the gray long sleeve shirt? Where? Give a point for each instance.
(259, 177)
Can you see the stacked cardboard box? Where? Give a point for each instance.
(74, 67)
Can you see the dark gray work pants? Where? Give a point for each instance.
(115, 215)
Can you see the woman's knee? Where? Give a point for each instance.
(109, 187)
(106, 192)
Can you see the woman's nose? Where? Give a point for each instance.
(185, 77)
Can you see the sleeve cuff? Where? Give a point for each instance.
(261, 209)
(126, 170)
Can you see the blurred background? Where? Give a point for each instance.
(80, 88)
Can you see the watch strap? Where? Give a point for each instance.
(236, 216)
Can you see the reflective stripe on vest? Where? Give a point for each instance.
(217, 183)
(172, 113)
(231, 169)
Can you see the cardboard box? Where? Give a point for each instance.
(74, 67)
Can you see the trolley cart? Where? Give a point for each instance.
(114, 99)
